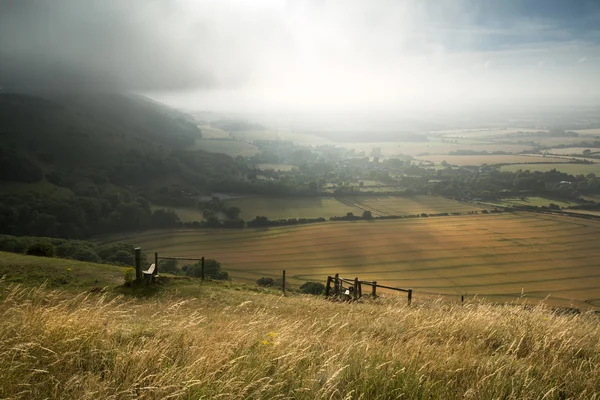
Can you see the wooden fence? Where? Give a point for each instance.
(355, 291)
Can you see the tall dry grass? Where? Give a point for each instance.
(231, 344)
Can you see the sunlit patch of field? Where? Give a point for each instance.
(208, 132)
(410, 205)
(568, 168)
(488, 159)
(496, 256)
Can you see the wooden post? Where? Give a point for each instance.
(359, 289)
(283, 284)
(409, 296)
(328, 286)
(374, 289)
(355, 291)
(155, 264)
(462, 298)
(138, 264)
(202, 270)
(337, 285)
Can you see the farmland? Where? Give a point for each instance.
(393, 205)
(314, 207)
(294, 207)
(495, 256)
(229, 147)
(463, 160)
(569, 168)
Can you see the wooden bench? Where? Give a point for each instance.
(149, 273)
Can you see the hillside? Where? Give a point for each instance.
(226, 341)
(71, 164)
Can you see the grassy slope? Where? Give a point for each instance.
(220, 342)
(495, 256)
(56, 272)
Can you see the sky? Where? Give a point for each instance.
(308, 55)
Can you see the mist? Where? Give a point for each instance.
(309, 56)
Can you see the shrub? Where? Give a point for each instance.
(266, 282)
(312, 288)
(128, 276)
(41, 248)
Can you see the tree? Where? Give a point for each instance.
(587, 152)
(233, 212)
(367, 214)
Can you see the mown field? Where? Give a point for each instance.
(499, 257)
(395, 205)
(292, 207)
(568, 168)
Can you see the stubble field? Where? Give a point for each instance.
(499, 257)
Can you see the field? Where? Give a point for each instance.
(495, 256)
(231, 148)
(573, 150)
(293, 207)
(489, 159)
(569, 168)
(309, 207)
(530, 201)
(276, 167)
(394, 205)
(435, 146)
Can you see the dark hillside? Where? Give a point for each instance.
(108, 156)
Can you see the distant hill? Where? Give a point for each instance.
(86, 130)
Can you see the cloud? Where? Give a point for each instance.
(267, 55)
(105, 45)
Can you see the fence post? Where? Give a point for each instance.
(409, 296)
(374, 289)
(202, 269)
(138, 264)
(355, 288)
(337, 284)
(359, 289)
(283, 285)
(328, 287)
(155, 264)
(462, 298)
